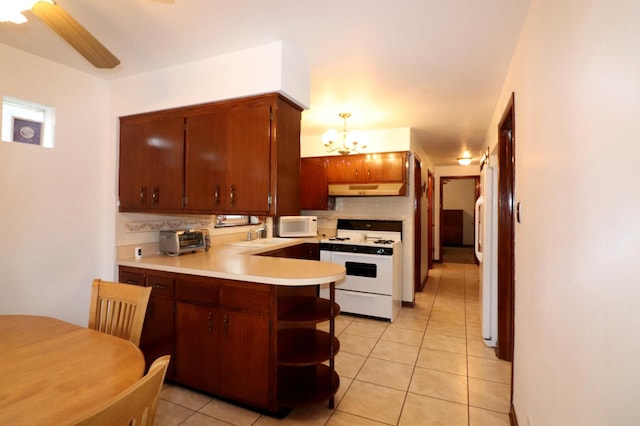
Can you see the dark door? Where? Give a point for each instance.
(431, 201)
(506, 263)
(417, 225)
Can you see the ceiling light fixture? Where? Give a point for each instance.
(349, 139)
(464, 160)
(11, 10)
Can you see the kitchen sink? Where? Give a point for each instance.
(262, 242)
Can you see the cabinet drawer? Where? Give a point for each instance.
(128, 276)
(196, 289)
(161, 286)
(253, 297)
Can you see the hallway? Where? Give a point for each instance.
(429, 366)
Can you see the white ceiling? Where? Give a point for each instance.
(433, 65)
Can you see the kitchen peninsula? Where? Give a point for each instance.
(241, 324)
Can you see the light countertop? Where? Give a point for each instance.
(241, 264)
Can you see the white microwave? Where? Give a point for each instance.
(297, 226)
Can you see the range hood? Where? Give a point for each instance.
(367, 189)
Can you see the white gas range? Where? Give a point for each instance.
(371, 252)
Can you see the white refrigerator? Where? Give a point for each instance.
(486, 247)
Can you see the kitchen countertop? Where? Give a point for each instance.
(240, 263)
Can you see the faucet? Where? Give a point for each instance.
(258, 230)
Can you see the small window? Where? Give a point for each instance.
(223, 221)
(27, 122)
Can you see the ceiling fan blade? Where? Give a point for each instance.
(75, 34)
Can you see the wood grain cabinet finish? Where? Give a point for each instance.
(314, 193)
(151, 162)
(255, 344)
(361, 168)
(158, 330)
(316, 173)
(240, 156)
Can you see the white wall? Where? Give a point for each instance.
(55, 215)
(576, 80)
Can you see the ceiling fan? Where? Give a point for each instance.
(66, 26)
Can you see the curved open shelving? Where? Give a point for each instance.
(305, 346)
(305, 309)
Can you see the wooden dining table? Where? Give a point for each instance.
(53, 372)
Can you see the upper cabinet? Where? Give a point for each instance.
(314, 193)
(240, 156)
(377, 167)
(317, 173)
(151, 162)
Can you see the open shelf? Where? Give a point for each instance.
(305, 309)
(305, 346)
(308, 385)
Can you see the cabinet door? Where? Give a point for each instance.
(196, 346)
(314, 193)
(344, 169)
(206, 161)
(387, 167)
(248, 157)
(157, 334)
(151, 163)
(245, 357)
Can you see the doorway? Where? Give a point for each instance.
(457, 223)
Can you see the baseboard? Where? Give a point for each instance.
(512, 416)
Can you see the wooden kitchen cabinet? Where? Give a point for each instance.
(308, 251)
(303, 376)
(197, 333)
(151, 162)
(344, 169)
(223, 339)
(314, 193)
(158, 330)
(362, 168)
(255, 344)
(385, 167)
(238, 157)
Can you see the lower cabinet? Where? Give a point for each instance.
(256, 344)
(196, 346)
(157, 333)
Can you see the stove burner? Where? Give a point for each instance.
(383, 242)
(339, 238)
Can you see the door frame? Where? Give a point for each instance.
(442, 179)
(430, 218)
(506, 232)
(418, 283)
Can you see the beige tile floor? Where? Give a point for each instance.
(428, 367)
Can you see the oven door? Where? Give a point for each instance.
(365, 272)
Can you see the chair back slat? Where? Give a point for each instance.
(136, 405)
(118, 309)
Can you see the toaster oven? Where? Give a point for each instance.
(175, 243)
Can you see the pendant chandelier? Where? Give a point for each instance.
(345, 142)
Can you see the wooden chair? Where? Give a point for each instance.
(118, 309)
(136, 405)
